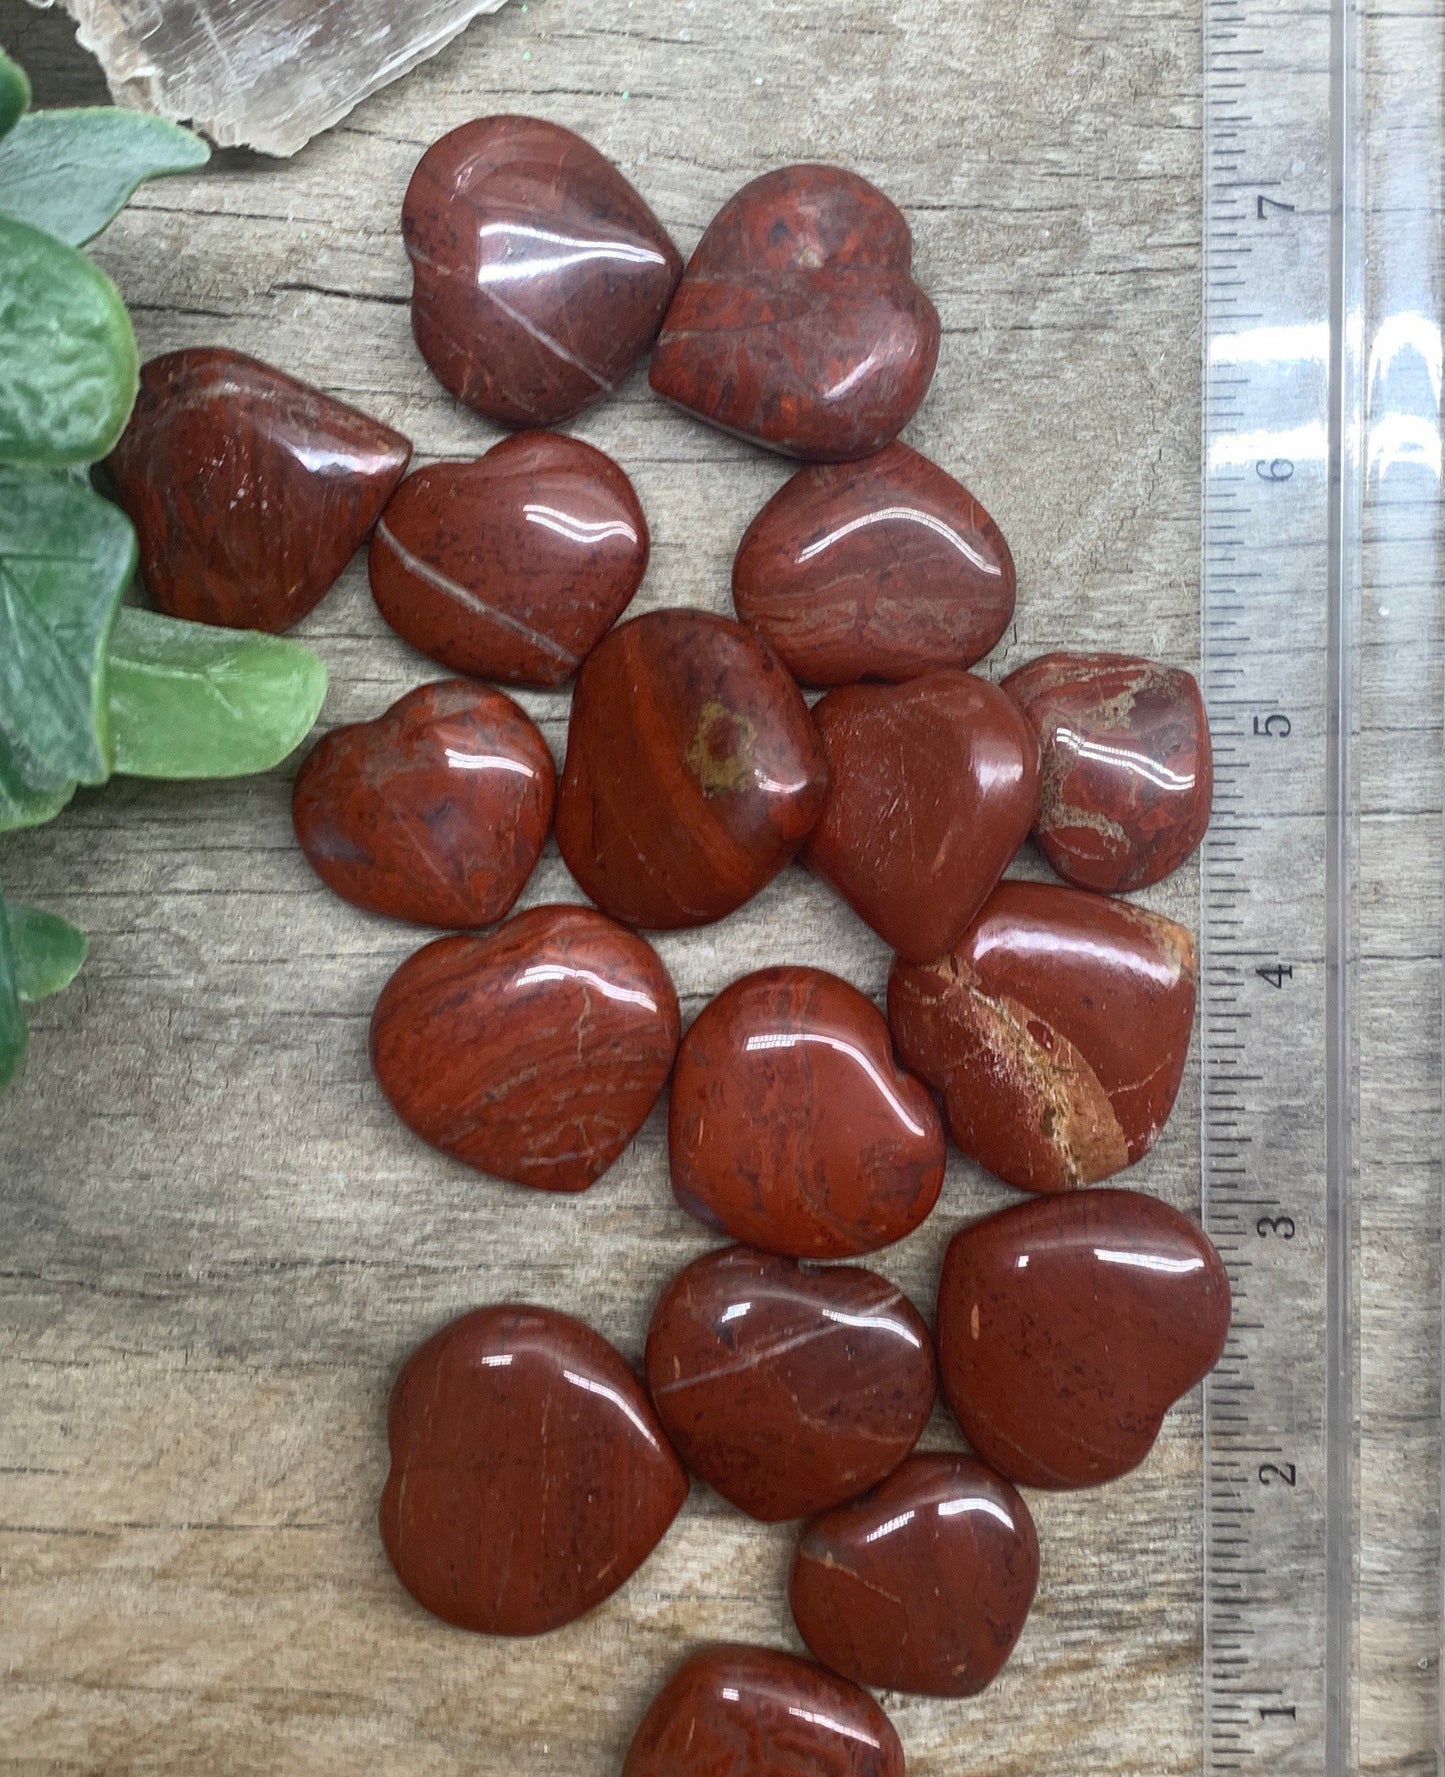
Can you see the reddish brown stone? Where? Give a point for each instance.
(1127, 772)
(922, 1585)
(798, 323)
(435, 812)
(753, 1712)
(792, 1128)
(249, 491)
(934, 785)
(881, 569)
(693, 773)
(539, 276)
(788, 1389)
(1056, 1032)
(529, 1477)
(513, 566)
(1067, 1328)
(535, 1053)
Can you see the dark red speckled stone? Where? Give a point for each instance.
(529, 1477)
(249, 491)
(792, 1128)
(533, 1054)
(786, 1388)
(1127, 770)
(513, 566)
(693, 772)
(1056, 1032)
(539, 276)
(754, 1712)
(435, 812)
(879, 569)
(924, 1584)
(798, 323)
(934, 785)
(1067, 1328)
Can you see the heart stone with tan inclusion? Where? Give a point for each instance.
(1056, 1031)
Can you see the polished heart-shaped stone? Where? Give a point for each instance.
(922, 1585)
(1127, 772)
(693, 772)
(788, 1388)
(511, 567)
(880, 569)
(1068, 1326)
(534, 1053)
(732, 1711)
(1056, 1031)
(435, 812)
(790, 1125)
(798, 323)
(249, 491)
(539, 276)
(934, 786)
(529, 1476)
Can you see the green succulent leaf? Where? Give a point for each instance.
(47, 951)
(13, 1033)
(21, 806)
(14, 92)
(189, 701)
(68, 362)
(66, 558)
(70, 172)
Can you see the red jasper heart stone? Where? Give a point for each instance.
(933, 789)
(734, 1711)
(790, 1125)
(788, 1388)
(1067, 1328)
(693, 772)
(798, 323)
(880, 569)
(249, 491)
(529, 1476)
(534, 1053)
(435, 812)
(539, 276)
(922, 1585)
(1056, 1030)
(513, 566)
(1127, 774)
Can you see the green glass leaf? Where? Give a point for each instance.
(69, 172)
(47, 951)
(13, 1033)
(68, 363)
(66, 557)
(188, 700)
(14, 92)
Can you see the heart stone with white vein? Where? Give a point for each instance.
(540, 276)
(514, 566)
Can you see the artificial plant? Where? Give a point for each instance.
(90, 686)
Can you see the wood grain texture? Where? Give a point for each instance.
(218, 1243)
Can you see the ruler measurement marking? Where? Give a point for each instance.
(1265, 553)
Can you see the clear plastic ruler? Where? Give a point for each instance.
(1280, 146)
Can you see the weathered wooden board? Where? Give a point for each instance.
(217, 1244)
